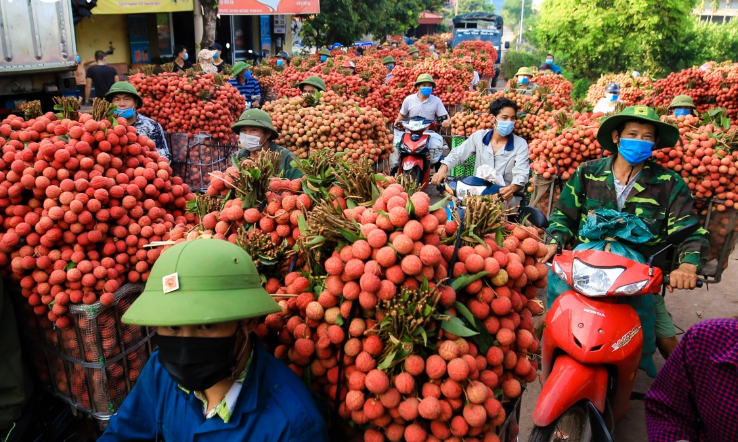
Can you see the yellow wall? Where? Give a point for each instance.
(93, 35)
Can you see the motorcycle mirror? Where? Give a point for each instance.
(534, 216)
(682, 234)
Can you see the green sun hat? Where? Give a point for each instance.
(412, 50)
(255, 118)
(325, 52)
(682, 101)
(525, 71)
(314, 81)
(124, 87)
(203, 281)
(425, 78)
(388, 60)
(239, 67)
(668, 135)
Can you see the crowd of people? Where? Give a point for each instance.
(211, 377)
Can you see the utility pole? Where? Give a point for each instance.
(522, 13)
(456, 8)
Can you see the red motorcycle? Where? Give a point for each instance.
(591, 346)
(414, 148)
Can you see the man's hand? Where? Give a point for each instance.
(685, 278)
(440, 176)
(551, 252)
(446, 123)
(508, 191)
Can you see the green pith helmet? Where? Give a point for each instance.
(668, 135)
(314, 81)
(682, 101)
(412, 50)
(388, 60)
(525, 71)
(124, 87)
(239, 67)
(255, 118)
(325, 52)
(203, 281)
(424, 78)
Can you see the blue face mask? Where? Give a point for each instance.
(523, 80)
(612, 97)
(248, 74)
(127, 113)
(426, 91)
(505, 128)
(549, 61)
(390, 66)
(323, 58)
(186, 56)
(682, 112)
(280, 62)
(635, 151)
(79, 59)
(215, 55)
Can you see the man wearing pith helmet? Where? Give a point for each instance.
(211, 379)
(682, 105)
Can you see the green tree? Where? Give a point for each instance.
(511, 13)
(602, 36)
(466, 6)
(344, 21)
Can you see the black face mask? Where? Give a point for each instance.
(198, 363)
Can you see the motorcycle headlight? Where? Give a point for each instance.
(631, 289)
(560, 272)
(594, 281)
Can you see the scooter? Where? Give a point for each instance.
(414, 148)
(591, 346)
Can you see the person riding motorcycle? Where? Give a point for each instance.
(630, 182)
(524, 85)
(607, 104)
(682, 105)
(423, 104)
(211, 379)
(311, 85)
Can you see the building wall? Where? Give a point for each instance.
(95, 35)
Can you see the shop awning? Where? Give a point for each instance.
(109, 7)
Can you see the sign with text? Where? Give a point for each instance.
(141, 6)
(268, 7)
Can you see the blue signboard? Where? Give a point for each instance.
(266, 32)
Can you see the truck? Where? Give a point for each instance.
(38, 52)
(480, 26)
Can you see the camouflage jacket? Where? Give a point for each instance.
(284, 165)
(660, 198)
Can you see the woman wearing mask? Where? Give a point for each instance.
(612, 98)
(205, 58)
(256, 132)
(181, 62)
(217, 60)
(499, 147)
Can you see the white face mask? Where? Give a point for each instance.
(252, 143)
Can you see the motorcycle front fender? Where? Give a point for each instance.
(569, 383)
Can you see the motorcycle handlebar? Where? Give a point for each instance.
(667, 281)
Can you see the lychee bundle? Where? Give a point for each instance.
(190, 103)
(80, 201)
(405, 356)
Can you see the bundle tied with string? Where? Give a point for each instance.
(606, 230)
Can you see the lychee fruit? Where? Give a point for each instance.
(409, 408)
(361, 250)
(511, 388)
(403, 244)
(414, 230)
(415, 433)
(430, 255)
(475, 415)
(514, 269)
(376, 382)
(458, 369)
(411, 265)
(377, 238)
(430, 408)
(387, 257)
(501, 305)
(476, 392)
(474, 263)
(505, 336)
(435, 367)
(448, 350)
(398, 216)
(415, 365)
(404, 383)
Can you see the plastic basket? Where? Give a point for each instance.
(94, 364)
(465, 169)
(195, 158)
(723, 229)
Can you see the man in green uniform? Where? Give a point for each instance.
(255, 132)
(312, 85)
(630, 182)
(682, 105)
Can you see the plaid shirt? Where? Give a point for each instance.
(695, 396)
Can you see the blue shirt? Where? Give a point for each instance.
(249, 89)
(555, 69)
(273, 406)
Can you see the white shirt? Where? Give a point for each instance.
(605, 106)
(429, 109)
(475, 79)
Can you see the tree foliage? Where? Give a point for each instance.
(345, 21)
(602, 36)
(466, 6)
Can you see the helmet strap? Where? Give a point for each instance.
(241, 353)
